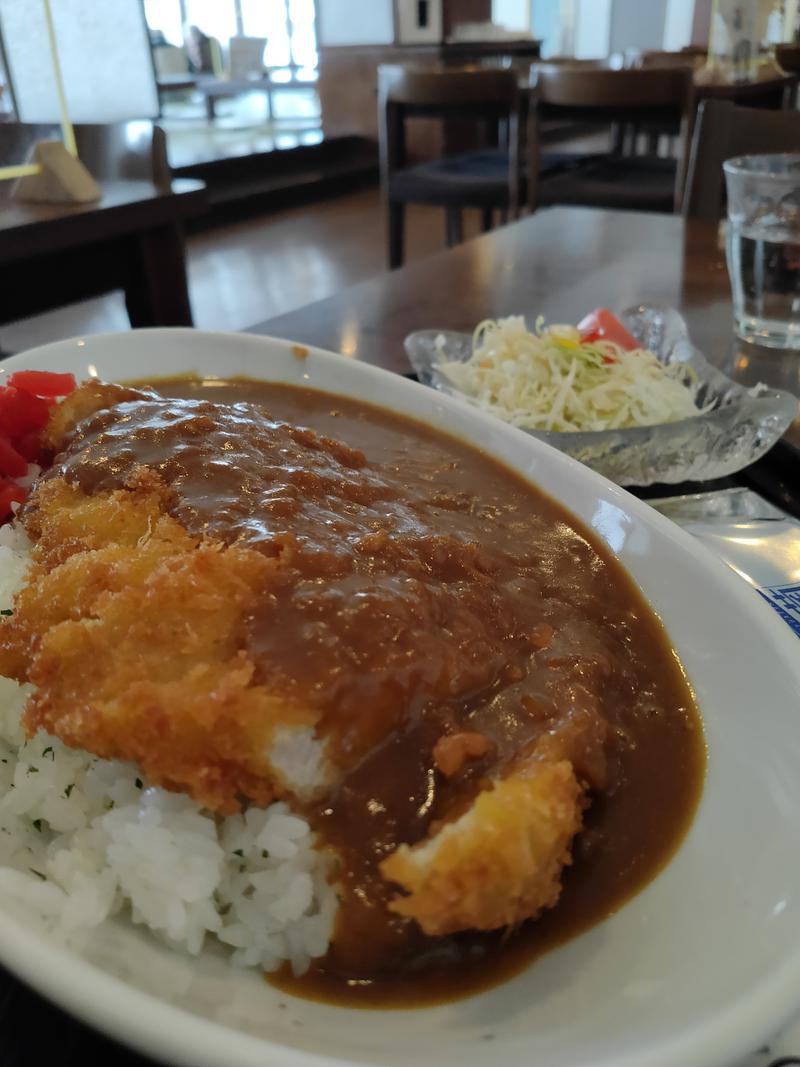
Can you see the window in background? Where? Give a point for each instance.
(165, 17)
(216, 18)
(267, 18)
(512, 14)
(288, 25)
(302, 18)
(554, 25)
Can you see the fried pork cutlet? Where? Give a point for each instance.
(150, 565)
(129, 629)
(500, 862)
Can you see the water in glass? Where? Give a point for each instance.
(764, 248)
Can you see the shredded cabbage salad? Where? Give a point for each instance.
(551, 378)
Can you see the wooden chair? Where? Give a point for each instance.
(170, 61)
(622, 100)
(656, 58)
(723, 131)
(788, 57)
(659, 59)
(125, 150)
(114, 151)
(488, 179)
(572, 62)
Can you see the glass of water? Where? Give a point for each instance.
(764, 247)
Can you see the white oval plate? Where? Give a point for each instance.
(699, 968)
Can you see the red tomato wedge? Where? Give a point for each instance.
(25, 404)
(10, 493)
(602, 325)
(21, 412)
(43, 382)
(29, 446)
(12, 463)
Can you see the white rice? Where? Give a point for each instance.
(90, 840)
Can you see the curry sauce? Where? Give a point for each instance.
(430, 593)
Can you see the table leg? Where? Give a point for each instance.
(156, 291)
(454, 226)
(396, 221)
(211, 107)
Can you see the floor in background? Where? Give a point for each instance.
(242, 274)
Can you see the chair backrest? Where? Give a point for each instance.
(124, 150)
(170, 59)
(113, 151)
(723, 131)
(482, 96)
(788, 57)
(246, 57)
(446, 91)
(618, 95)
(612, 97)
(655, 58)
(571, 61)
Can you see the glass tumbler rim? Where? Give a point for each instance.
(774, 165)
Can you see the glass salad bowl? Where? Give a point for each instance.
(741, 426)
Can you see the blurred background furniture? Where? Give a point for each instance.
(771, 93)
(788, 57)
(171, 65)
(348, 74)
(56, 254)
(622, 101)
(571, 62)
(244, 71)
(488, 178)
(111, 151)
(653, 57)
(723, 131)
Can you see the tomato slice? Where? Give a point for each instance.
(21, 412)
(602, 325)
(42, 382)
(30, 447)
(10, 493)
(12, 463)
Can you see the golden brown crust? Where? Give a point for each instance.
(131, 631)
(501, 862)
(90, 397)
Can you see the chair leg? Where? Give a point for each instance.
(396, 232)
(454, 226)
(487, 219)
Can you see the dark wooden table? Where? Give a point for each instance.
(773, 92)
(561, 262)
(54, 254)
